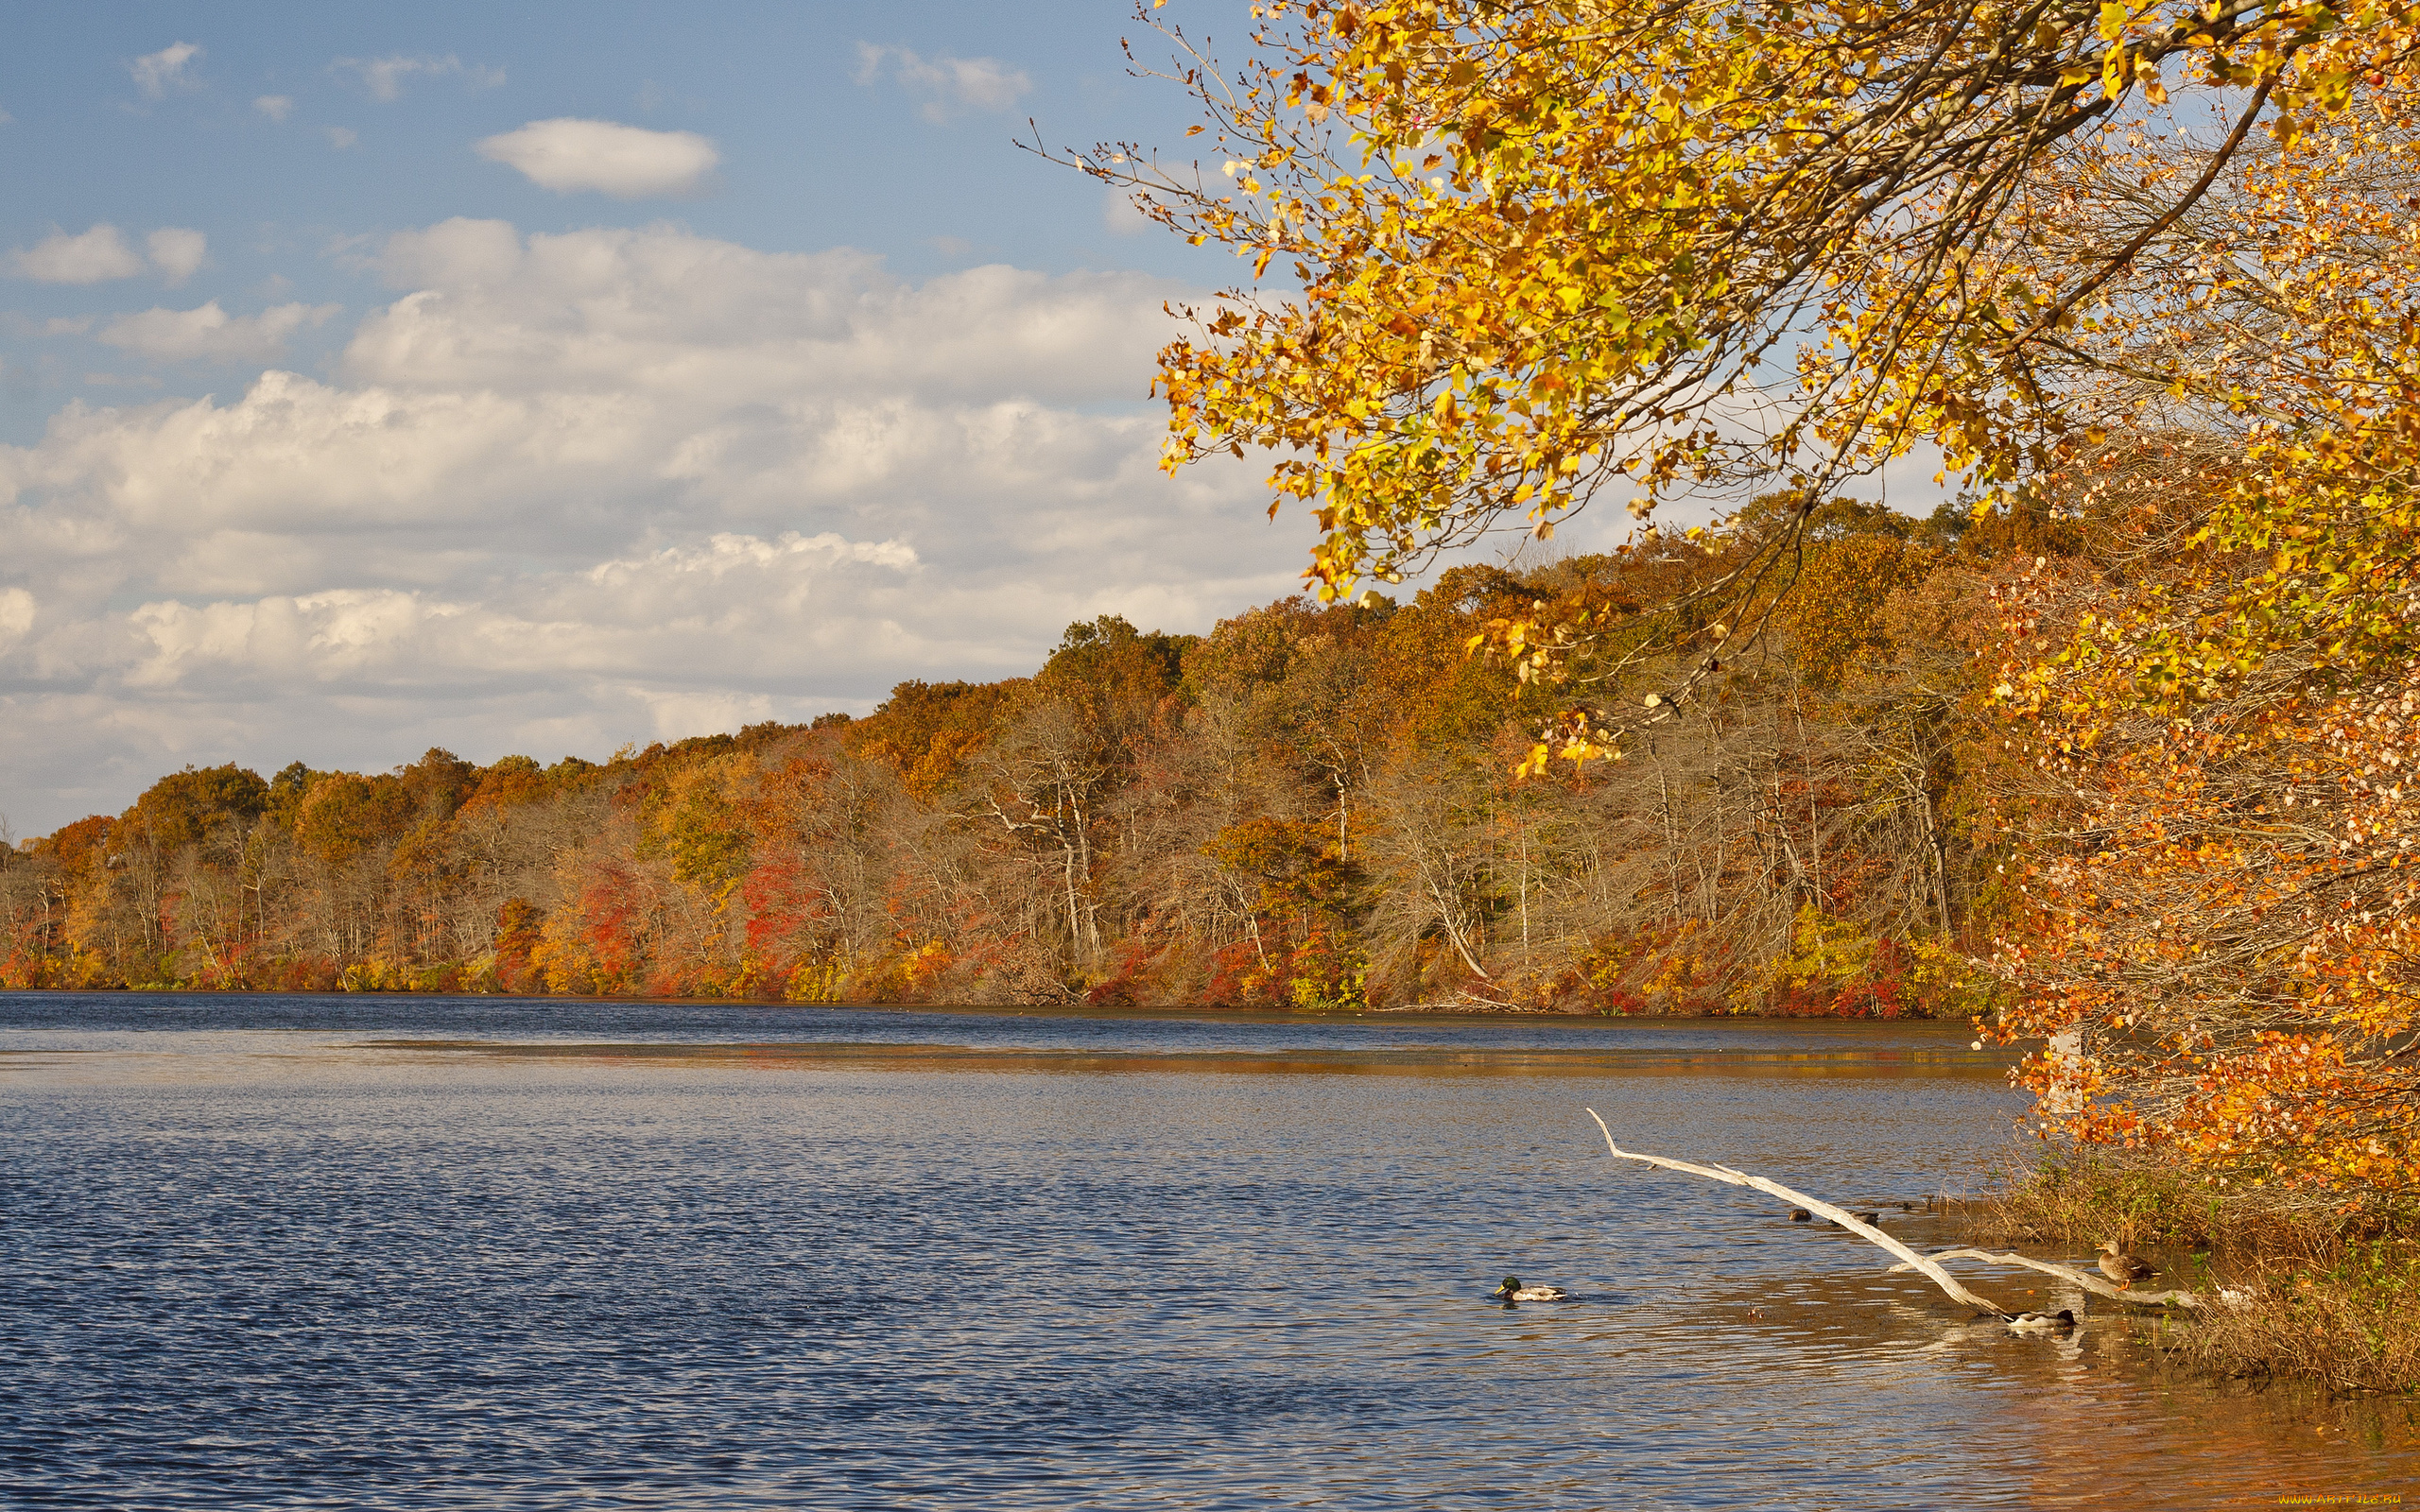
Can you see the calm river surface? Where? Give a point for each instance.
(392, 1252)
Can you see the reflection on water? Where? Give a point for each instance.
(426, 1253)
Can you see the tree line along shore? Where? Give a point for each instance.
(1309, 808)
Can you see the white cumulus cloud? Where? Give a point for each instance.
(94, 256)
(948, 84)
(155, 73)
(100, 254)
(176, 251)
(16, 614)
(1118, 215)
(567, 490)
(627, 161)
(647, 617)
(383, 78)
(211, 334)
(276, 106)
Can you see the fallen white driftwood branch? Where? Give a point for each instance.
(1863, 1230)
(1908, 1259)
(2068, 1273)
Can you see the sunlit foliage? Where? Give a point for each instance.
(1508, 259)
(1311, 808)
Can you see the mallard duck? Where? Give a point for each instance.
(2057, 1322)
(2123, 1267)
(1512, 1291)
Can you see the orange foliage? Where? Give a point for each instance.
(2221, 907)
(1309, 808)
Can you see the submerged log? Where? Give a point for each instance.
(1909, 1260)
(2084, 1279)
(1824, 1210)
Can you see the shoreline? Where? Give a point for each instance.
(1080, 1010)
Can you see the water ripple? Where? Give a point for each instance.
(250, 1263)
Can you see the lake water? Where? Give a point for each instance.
(391, 1252)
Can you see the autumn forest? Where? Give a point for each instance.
(1307, 809)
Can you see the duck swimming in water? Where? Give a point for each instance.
(2058, 1322)
(1512, 1291)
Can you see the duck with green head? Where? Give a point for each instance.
(1512, 1291)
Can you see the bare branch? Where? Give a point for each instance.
(2067, 1273)
(1864, 1230)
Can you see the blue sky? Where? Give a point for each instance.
(544, 378)
(287, 144)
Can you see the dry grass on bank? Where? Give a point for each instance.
(2330, 1285)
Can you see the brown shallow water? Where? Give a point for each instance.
(270, 1252)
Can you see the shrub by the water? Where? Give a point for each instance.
(2306, 1284)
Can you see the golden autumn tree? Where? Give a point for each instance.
(2221, 908)
(1509, 259)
